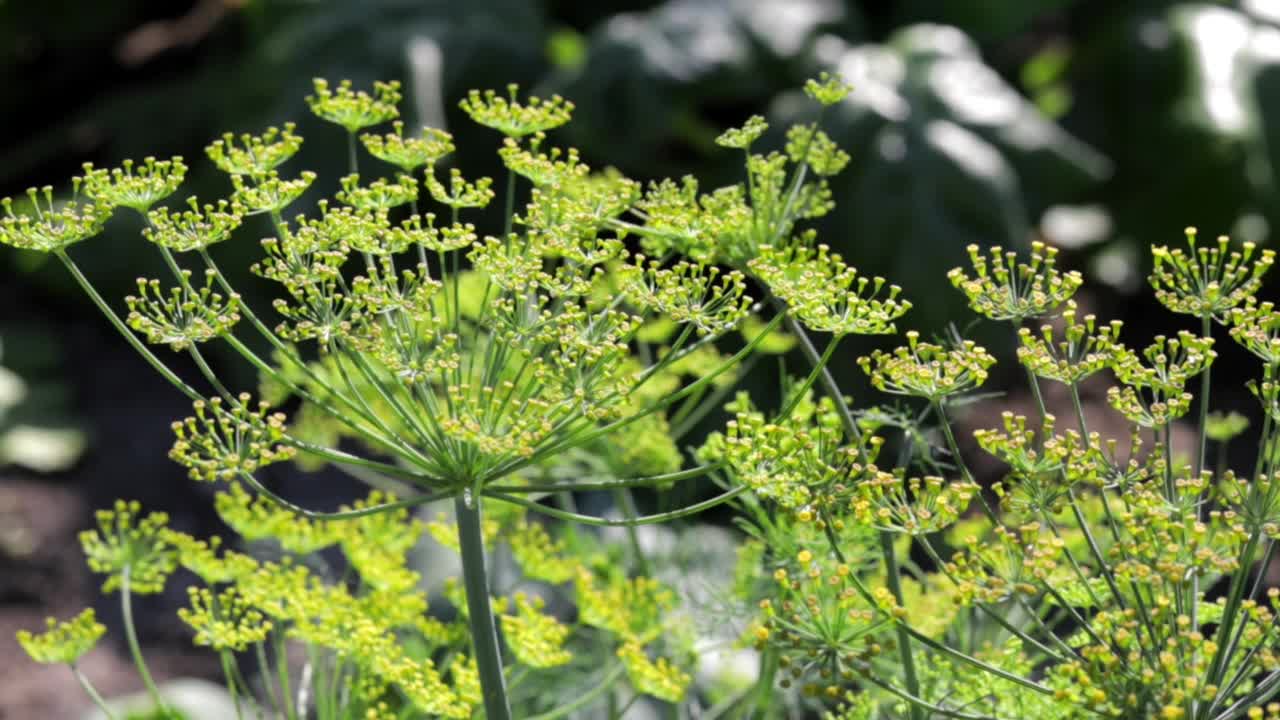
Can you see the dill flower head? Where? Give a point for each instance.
(826, 294)
(827, 89)
(135, 186)
(702, 296)
(1208, 280)
(700, 226)
(254, 155)
(1153, 392)
(926, 370)
(822, 626)
(538, 555)
(269, 193)
(535, 638)
(660, 678)
(186, 315)
(224, 620)
(742, 137)
(127, 544)
(1085, 348)
(195, 228)
(355, 110)
(914, 506)
(1029, 452)
(411, 152)
(800, 462)
(461, 193)
(807, 145)
(63, 642)
(553, 167)
(1256, 326)
(513, 118)
(208, 560)
(379, 195)
(1171, 361)
(45, 225)
(630, 608)
(220, 442)
(1004, 289)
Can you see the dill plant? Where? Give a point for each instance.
(463, 366)
(1099, 577)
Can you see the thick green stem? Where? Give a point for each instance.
(484, 635)
(135, 650)
(764, 689)
(1219, 663)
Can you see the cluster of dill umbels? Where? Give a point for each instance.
(877, 579)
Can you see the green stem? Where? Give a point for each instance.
(484, 635)
(919, 704)
(819, 367)
(647, 481)
(1206, 323)
(605, 684)
(642, 520)
(345, 514)
(627, 504)
(91, 692)
(124, 330)
(681, 426)
(131, 636)
(764, 689)
(828, 380)
(1218, 664)
(264, 672)
(894, 579)
(226, 659)
(954, 447)
(586, 436)
(510, 204)
(339, 457)
(282, 672)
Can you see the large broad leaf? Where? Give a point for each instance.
(945, 153)
(651, 82)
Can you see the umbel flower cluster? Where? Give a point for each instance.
(511, 370)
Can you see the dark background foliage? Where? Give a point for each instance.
(1102, 127)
